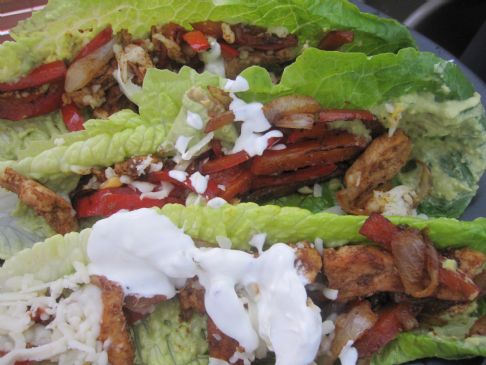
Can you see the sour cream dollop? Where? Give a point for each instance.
(148, 255)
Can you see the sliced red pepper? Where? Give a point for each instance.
(224, 162)
(18, 108)
(100, 40)
(336, 149)
(197, 40)
(72, 117)
(106, 202)
(219, 121)
(228, 52)
(44, 74)
(379, 229)
(388, 326)
(302, 175)
(235, 184)
(210, 28)
(335, 39)
(158, 176)
(458, 282)
(331, 115)
(317, 132)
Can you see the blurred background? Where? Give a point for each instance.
(459, 26)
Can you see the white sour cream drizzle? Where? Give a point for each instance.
(154, 257)
(213, 61)
(254, 123)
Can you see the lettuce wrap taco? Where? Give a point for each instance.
(405, 132)
(87, 57)
(247, 284)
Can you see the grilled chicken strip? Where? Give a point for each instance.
(56, 210)
(361, 271)
(378, 164)
(114, 328)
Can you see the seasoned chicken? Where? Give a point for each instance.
(360, 271)
(191, 298)
(469, 261)
(114, 328)
(308, 261)
(222, 346)
(378, 164)
(136, 166)
(56, 210)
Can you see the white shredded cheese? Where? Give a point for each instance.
(199, 182)
(194, 120)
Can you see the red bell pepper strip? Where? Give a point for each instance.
(44, 74)
(236, 181)
(331, 115)
(100, 40)
(335, 39)
(458, 282)
(228, 52)
(387, 327)
(224, 162)
(106, 202)
(159, 176)
(302, 175)
(72, 117)
(217, 148)
(197, 40)
(317, 132)
(18, 108)
(379, 229)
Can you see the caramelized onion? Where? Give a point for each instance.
(82, 71)
(417, 262)
(286, 105)
(352, 325)
(296, 121)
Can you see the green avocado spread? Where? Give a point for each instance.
(450, 138)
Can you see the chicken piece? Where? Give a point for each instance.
(479, 327)
(222, 346)
(191, 298)
(378, 164)
(56, 210)
(308, 261)
(234, 66)
(136, 166)
(142, 305)
(470, 262)
(114, 328)
(360, 271)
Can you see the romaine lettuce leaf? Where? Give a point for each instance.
(289, 224)
(62, 28)
(103, 143)
(450, 341)
(16, 137)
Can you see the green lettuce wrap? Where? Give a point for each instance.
(61, 29)
(437, 105)
(163, 337)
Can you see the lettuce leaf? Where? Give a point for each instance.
(437, 105)
(18, 136)
(163, 338)
(450, 341)
(289, 224)
(103, 143)
(62, 28)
